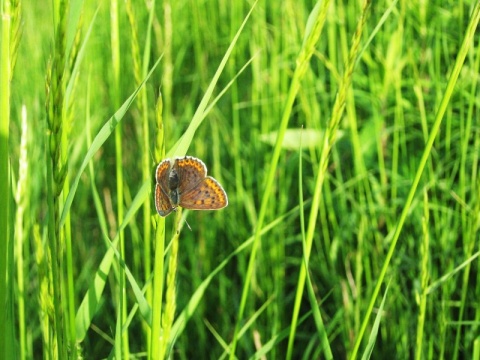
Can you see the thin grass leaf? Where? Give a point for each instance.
(78, 60)
(277, 339)
(436, 284)
(217, 336)
(197, 296)
(91, 300)
(99, 140)
(377, 28)
(74, 14)
(376, 325)
(317, 316)
(181, 146)
(249, 323)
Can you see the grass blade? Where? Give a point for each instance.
(99, 140)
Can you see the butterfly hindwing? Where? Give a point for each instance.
(207, 195)
(162, 201)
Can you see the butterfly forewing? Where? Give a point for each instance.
(207, 195)
(162, 173)
(191, 171)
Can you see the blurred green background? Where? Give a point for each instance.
(404, 61)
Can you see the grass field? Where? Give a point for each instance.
(345, 134)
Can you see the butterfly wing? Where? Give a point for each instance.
(207, 195)
(162, 202)
(162, 173)
(191, 171)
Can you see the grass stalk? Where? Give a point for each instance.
(424, 278)
(140, 69)
(167, 74)
(471, 240)
(122, 337)
(168, 314)
(21, 200)
(321, 331)
(56, 175)
(157, 339)
(6, 342)
(44, 298)
(70, 112)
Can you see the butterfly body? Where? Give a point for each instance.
(184, 182)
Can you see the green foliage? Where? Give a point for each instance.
(346, 137)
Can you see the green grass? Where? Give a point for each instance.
(346, 136)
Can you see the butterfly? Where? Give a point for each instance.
(184, 182)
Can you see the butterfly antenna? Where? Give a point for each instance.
(185, 219)
(188, 225)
